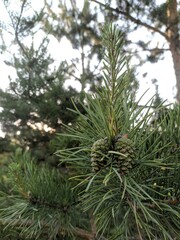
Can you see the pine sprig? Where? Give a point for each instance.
(114, 64)
(134, 202)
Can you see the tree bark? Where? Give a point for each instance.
(174, 41)
(176, 60)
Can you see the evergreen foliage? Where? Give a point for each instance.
(140, 202)
(41, 203)
(34, 104)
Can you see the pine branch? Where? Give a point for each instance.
(133, 19)
(84, 234)
(17, 28)
(93, 225)
(170, 202)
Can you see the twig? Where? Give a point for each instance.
(84, 234)
(17, 28)
(171, 202)
(133, 19)
(93, 225)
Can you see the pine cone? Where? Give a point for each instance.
(99, 153)
(123, 163)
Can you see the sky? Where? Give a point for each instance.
(163, 70)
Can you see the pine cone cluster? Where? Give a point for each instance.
(124, 159)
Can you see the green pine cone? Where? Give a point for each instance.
(123, 163)
(99, 153)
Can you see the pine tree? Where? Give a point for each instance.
(34, 104)
(122, 176)
(79, 26)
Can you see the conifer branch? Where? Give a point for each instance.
(169, 202)
(84, 234)
(17, 28)
(133, 19)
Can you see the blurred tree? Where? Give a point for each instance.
(81, 23)
(80, 26)
(156, 17)
(34, 105)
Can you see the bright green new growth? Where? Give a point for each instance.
(114, 78)
(122, 176)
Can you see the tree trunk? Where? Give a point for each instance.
(175, 51)
(173, 38)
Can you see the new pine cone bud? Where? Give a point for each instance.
(124, 162)
(99, 153)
